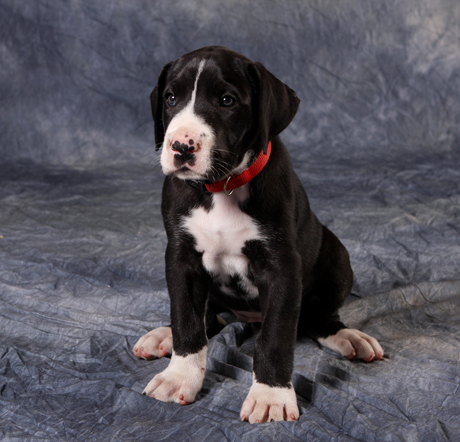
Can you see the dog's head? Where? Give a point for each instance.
(215, 111)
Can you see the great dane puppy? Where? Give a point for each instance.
(241, 235)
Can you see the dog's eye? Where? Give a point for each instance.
(171, 99)
(227, 101)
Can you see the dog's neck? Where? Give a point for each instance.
(228, 184)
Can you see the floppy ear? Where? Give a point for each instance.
(156, 102)
(277, 103)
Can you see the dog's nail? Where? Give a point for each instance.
(182, 401)
(351, 356)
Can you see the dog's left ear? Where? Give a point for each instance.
(156, 102)
(277, 103)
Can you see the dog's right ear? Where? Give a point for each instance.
(156, 102)
(276, 103)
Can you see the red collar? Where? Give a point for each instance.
(230, 183)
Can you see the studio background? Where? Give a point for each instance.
(376, 143)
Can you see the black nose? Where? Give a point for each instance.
(183, 148)
(184, 153)
(180, 147)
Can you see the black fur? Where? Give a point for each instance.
(301, 269)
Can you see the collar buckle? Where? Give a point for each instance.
(225, 186)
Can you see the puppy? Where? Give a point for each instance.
(241, 235)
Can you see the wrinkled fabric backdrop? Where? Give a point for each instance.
(376, 143)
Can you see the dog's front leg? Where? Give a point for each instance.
(272, 396)
(187, 284)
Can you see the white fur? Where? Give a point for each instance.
(243, 165)
(267, 404)
(221, 234)
(181, 380)
(154, 344)
(188, 122)
(354, 344)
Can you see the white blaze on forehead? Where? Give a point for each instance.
(187, 116)
(200, 70)
(188, 122)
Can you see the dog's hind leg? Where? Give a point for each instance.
(325, 293)
(354, 344)
(154, 344)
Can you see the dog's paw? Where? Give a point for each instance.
(269, 404)
(354, 344)
(155, 344)
(181, 380)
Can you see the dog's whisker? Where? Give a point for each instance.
(154, 164)
(223, 165)
(224, 151)
(152, 160)
(221, 168)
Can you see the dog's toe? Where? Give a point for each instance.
(354, 344)
(269, 404)
(181, 380)
(155, 344)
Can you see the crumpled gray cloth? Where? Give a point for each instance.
(376, 144)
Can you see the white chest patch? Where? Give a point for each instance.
(221, 235)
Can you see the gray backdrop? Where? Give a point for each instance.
(376, 143)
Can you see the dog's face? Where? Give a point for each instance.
(214, 111)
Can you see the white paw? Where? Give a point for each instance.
(155, 344)
(354, 344)
(181, 380)
(269, 404)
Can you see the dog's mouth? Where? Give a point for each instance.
(216, 169)
(209, 165)
(200, 168)
(185, 173)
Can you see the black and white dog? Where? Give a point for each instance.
(241, 235)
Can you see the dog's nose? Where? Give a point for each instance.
(184, 144)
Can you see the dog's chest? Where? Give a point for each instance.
(220, 234)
